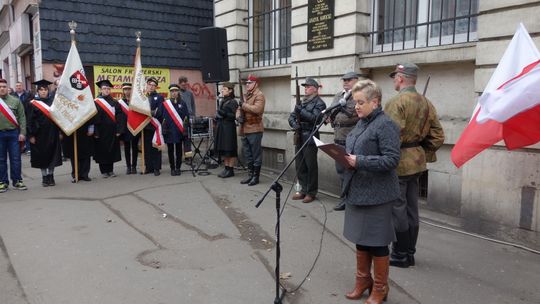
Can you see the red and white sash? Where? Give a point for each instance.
(174, 115)
(105, 106)
(43, 107)
(157, 140)
(4, 109)
(123, 106)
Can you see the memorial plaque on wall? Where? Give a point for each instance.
(320, 24)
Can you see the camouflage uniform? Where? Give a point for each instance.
(421, 135)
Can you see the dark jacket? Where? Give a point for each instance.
(107, 143)
(171, 132)
(155, 101)
(226, 125)
(375, 142)
(310, 116)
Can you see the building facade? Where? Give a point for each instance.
(35, 41)
(457, 44)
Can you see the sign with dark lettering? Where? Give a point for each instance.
(320, 25)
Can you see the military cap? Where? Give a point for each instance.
(407, 68)
(152, 79)
(310, 82)
(42, 83)
(104, 82)
(252, 78)
(228, 85)
(126, 85)
(350, 75)
(174, 86)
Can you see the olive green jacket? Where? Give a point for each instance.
(421, 132)
(17, 108)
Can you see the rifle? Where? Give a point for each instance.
(241, 117)
(297, 139)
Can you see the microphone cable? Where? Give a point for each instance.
(319, 251)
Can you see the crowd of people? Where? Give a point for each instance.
(386, 150)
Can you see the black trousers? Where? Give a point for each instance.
(175, 155)
(152, 156)
(308, 170)
(131, 151)
(84, 167)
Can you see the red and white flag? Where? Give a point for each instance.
(139, 113)
(73, 104)
(509, 108)
(138, 101)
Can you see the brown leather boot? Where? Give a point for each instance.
(363, 275)
(379, 293)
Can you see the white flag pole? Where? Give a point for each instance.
(72, 27)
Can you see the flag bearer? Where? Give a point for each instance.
(43, 134)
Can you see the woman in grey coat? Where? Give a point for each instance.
(370, 187)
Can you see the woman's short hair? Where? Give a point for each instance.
(370, 88)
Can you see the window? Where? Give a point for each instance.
(269, 24)
(407, 24)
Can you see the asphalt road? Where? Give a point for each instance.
(146, 239)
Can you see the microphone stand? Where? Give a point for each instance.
(277, 188)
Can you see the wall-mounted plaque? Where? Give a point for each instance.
(320, 24)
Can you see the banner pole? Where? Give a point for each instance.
(143, 164)
(75, 157)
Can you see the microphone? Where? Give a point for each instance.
(342, 102)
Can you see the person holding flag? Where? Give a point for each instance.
(173, 113)
(131, 142)
(152, 155)
(72, 109)
(109, 123)
(43, 135)
(12, 131)
(421, 135)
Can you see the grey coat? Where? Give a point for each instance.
(375, 142)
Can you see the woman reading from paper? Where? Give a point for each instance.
(370, 187)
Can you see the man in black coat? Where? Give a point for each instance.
(305, 118)
(152, 156)
(109, 125)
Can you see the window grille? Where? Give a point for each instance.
(409, 24)
(269, 31)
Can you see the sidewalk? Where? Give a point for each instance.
(145, 239)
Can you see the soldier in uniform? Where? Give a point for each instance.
(309, 114)
(250, 114)
(421, 135)
(152, 156)
(44, 136)
(109, 125)
(343, 120)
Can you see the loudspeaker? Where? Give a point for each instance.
(214, 54)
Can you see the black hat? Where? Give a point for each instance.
(152, 79)
(126, 85)
(173, 86)
(310, 82)
(407, 68)
(350, 75)
(104, 82)
(42, 83)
